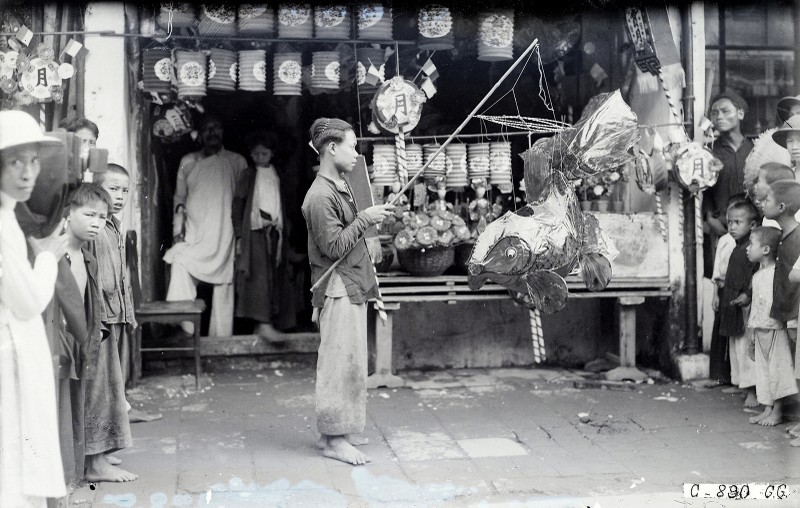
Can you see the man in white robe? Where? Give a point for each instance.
(203, 247)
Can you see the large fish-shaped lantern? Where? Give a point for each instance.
(530, 251)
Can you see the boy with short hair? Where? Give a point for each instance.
(782, 203)
(770, 341)
(768, 174)
(106, 420)
(735, 297)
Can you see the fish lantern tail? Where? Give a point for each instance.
(595, 270)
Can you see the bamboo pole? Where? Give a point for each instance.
(439, 151)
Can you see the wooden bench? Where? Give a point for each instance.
(397, 288)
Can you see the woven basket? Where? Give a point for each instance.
(428, 262)
(388, 258)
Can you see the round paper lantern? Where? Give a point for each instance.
(181, 15)
(39, 78)
(332, 22)
(253, 70)
(217, 20)
(325, 70)
(222, 70)
(435, 28)
(496, 36)
(288, 73)
(374, 21)
(365, 57)
(256, 19)
(295, 21)
(157, 70)
(191, 73)
(398, 103)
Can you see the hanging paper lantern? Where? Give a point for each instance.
(253, 70)
(384, 165)
(288, 74)
(437, 168)
(191, 73)
(496, 36)
(435, 28)
(398, 103)
(457, 176)
(222, 70)
(325, 70)
(295, 21)
(256, 19)
(180, 15)
(374, 21)
(500, 165)
(478, 161)
(157, 70)
(367, 57)
(38, 78)
(332, 22)
(217, 20)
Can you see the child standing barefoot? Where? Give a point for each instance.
(772, 355)
(735, 298)
(335, 227)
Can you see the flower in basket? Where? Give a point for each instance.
(434, 228)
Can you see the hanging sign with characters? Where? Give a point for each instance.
(398, 103)
(638, 25)
(695, 167)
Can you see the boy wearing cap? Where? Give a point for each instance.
(788, 137)
(788, 107)
(30, 458)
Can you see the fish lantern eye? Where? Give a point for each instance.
(511, 253)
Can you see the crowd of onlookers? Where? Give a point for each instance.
(755, 239)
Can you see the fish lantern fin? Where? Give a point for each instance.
(595, 270)
(538, 171)
(547, 291)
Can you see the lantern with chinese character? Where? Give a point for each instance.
(222, 70)
(295, 21)
(435, 28)
(695, 167)
(496, 36)
(40, 78)
(256, 19)
(398, 103)
(332, 22)
(325, 70)
(288, 74)
(157, 72)
(191, 73)
(253, 70)
(374, 21)
(217, 20)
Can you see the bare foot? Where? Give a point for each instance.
(761, 416)
(114, 461)
(794, 430)
(751, 400)
(269, 332)
(775, 417)
(99, 470)
(353, 439)
(795, 442)
(338, 448)
(731, 389)
(138, 415)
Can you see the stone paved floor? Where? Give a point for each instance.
(499, 437)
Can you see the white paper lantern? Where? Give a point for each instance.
(191, 73)
(332, 22)
(435, 28)
(222, 70)
(157, 72)
(325, 70)
(179, 14)
(256, 19)
(496, 35)
(288, 74)
(253, 70)
(374, 21)
(295, 21)
(217, 20)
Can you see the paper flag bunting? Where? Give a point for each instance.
(24, 35)
(373, 76)
(428, 88)
(430, 69)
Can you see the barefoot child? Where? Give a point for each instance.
(334, 227)
(30, 458)
(106, 420)
(720, 367)
(774, 379)
(781, 204)
(735, 298)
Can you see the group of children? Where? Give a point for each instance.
(86, 313)
(757, 273)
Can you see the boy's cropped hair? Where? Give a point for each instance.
(774, 171)
(88, 193)
(111, 169)
(81, 123)
(735, 199)
(746, 206)
(768, 237)
(788, 193)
